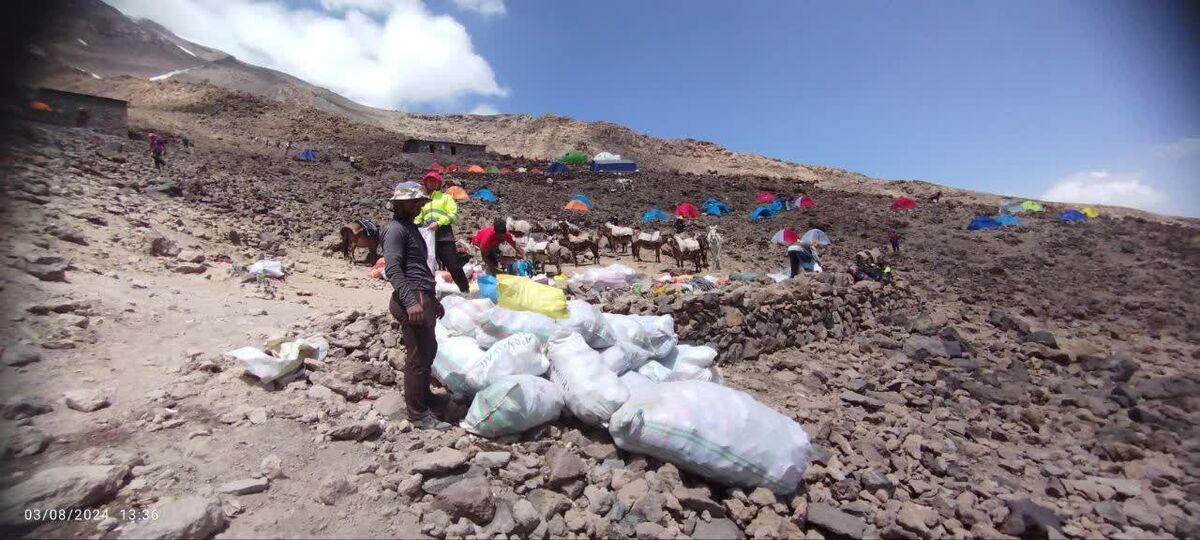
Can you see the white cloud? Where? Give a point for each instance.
(485, 109)
(1104, 187)
(1181, 149)
(402, 56)
(485, 7)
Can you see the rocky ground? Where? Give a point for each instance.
(1041, 382)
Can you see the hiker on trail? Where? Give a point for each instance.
(158, 147)
(894, 238)
(803, 256)
(412, 302)
(439, 215)
(489, 241)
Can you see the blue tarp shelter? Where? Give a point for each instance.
(557, 167)
(762, 212)
(307, 155)
(1072, 215)
(983, 223)
(714, 207)
(485, 195)
(778, 206)
(1007, 220)
(655, 214)
(583, 199)
(615, 165)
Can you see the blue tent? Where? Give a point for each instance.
(655, 214)
(1072, 215)
(714, 207)
(583, 199)
(615, 165)
(762, 212)
(557, 167)
(1007, 220)
(983, 223)
(307, 155)
(778, 206)
(485, 195)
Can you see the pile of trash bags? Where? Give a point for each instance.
(280, 357)
(626, 373)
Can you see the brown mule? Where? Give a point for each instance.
(354, 236)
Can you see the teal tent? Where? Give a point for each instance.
(655, 214)
(485, 195)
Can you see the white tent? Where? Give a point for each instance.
(606, 156)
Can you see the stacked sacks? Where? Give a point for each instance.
(624, 372)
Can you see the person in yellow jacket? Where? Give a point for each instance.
(439, 215)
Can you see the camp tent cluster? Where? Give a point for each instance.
(1009, 210)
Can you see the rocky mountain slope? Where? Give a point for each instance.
(1029, 382)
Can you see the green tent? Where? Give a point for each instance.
(493, 169)
(1031, 206)
(574, 157)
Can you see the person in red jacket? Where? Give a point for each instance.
(489, 241)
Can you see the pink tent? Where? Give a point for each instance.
(903, 203)
(687, 210)
(765, 197)
(785, 236)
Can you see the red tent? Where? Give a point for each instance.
(903, 203)
(451, 167)
(504, 170)
(765, 197)
(535, 170)
(807, 202)
(785, 236)
(687, 210)
(437, 168)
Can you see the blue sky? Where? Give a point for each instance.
(1088, 101)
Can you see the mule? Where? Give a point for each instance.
(644, 240)
(355, 236)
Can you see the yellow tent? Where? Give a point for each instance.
(1090, 212)
(577, 205)
(458, 193)
(475, 169)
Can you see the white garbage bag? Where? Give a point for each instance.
(518, 354)
(716, 432)
(660, 333)
(455, 357)
(430, 257)
(588, 321)
(682, 371)
(655, 371)
(623, 357)
(513, 404)
(464, 316)
(281, 358)
(501, 323)
(613, 276)
(592, 392)
(637, 384)
(270, 268)
(701, 356)
(628, 330)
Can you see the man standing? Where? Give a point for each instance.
(894, 238)
(158, 147)
(439, 215)
(412, 303)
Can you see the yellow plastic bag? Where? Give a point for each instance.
(522, 294)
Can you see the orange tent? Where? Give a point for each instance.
(475, 169)
(458, 193)
(40, 106)
(577, 205)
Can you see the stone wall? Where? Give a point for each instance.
(103, 114)
(745, 321)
